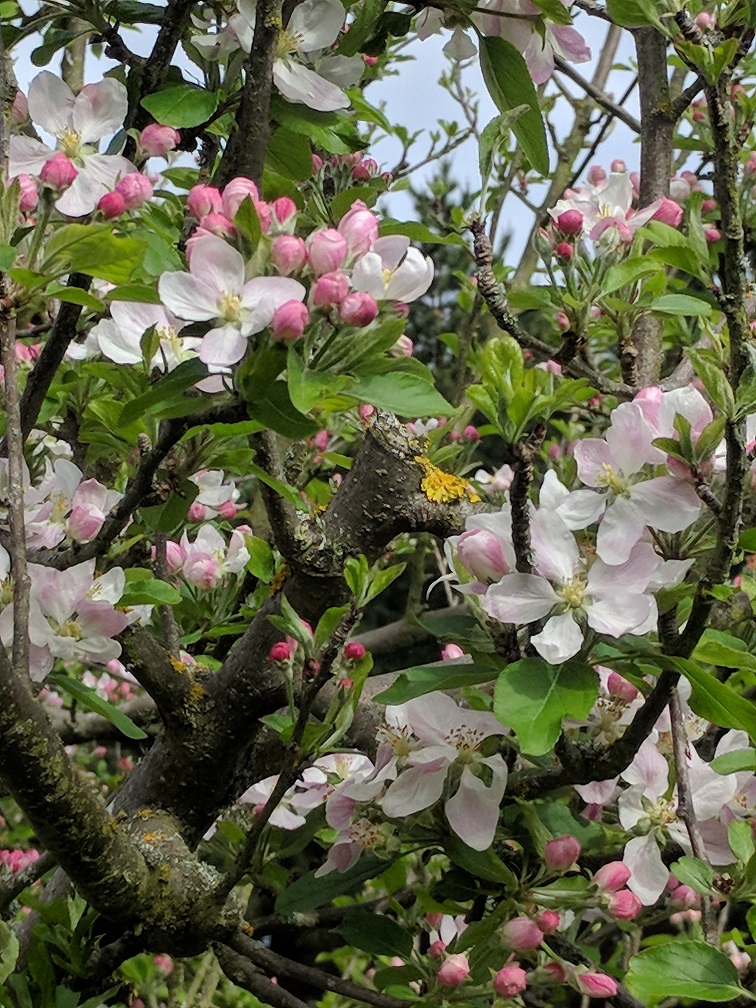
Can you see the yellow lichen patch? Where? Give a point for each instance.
(153, 838)
(278, 578)
(196, 693)
(178, 665)
(443, 487)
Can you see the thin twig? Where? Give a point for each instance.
(598, 95)
(241, 972)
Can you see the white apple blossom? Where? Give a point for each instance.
(64, 505)
(215, 289)
(608, 205)
(393, 271)
(78, 123)
(118, 338)
(207, 560)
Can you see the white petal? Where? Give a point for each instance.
(99, 109)
(620, 529)
(27, 156)
(649, 874)
(218, 265)
(51, 102)
(666, 503)
(473, 812)
(619, 614)
(415, 789)
(187, 296)
(556, 552)
(367, 275)
(299, 84)
(223, 346)
(316, 23)
(519, 598)
(560, 639)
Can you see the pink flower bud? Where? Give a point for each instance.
(359, 226)
(618, 165)
(623, 905)
(704, 20)
(369, 61)
(403, 347)
(596, 174)
(326, 251)
(29, 196)
(354, 651)
(358, 309)
(451, 651)
(618, 686)
(58, 172)
(564, 250)
(471, 434)
(135, 188)
(164, 963)
(84, 523)
(217, 224)
(346, 683)
(289, 254)
(679, 189)
(521, 934)
(156, 140)
(570, 222)
(366, 411)
(684, 897)
(555, 972)
(437, 949)
(548, 921)
(226, 510)
(111, 205)
(174, 556)
(708, 205)
(234, 194)
(454, 971)
(320, 441)
(280, 652)
(197, 512)
(562, 853)
(562, 321)
(284, 209)
(510, 981)
(669, 212)
(712, 234)
(594, 984)
(612, 876)
(202, 200)
(289, 321)
(330, 289)
(482, 554)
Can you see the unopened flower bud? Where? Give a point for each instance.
(684, 897)
(326, 251)
(451, 651)
(346, 683)
(669, 212)
(156, 140)
(234, 194)
(58, 172)
(548, 921)
(555, 972)
(619, 687)
(111, 205)
(284, 209)
(712, 234)
(611, 877)
(562, 853)
(280, 652)
(366, 411)
(471, 434)
(197, 512)
(217, 224)
(202, 200)
(289, 254)
(317, 163)
(679, 189)
(618, 165)
(708, 205)
(358, 309)
(330, 289)
(623, 905)
(354, 651)
(135, 188)
(29, 195)
(704, 20)
(359, 226)
(437, 949)
(454, 971)
(594, 984)
(596, 174)
(289, 321)
(482, 554)
(510, 981)
(564, 250)
(403, 347)
(521, 934)
(570, 222)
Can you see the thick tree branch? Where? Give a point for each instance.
(240, 971)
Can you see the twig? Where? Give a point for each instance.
(498, 305)
(280, 966)
(26, 877)
(685, 808)
(240, 971)
(570, 953)
(170, 685)
(598, 95)
(281, 515)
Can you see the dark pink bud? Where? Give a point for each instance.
(284, 209)
(618, 686)
(521, 934)
(708, 205)
(330, 289)
(29, 196)
(280, 652)
(135, 188)
(596, 174)
(712, 234)
(227, 510)
(704, 20)
(562, 853)
(685, 897)
(317, 163)
(202, 200)
(369, 61)
(437, 949)
(471, 434)
(366, 411)
(510, 981)
(358, 309)
(156, 140)
(669, 212)
(359, 225)
(354, 651)
(218, 224)
(570, 222)
(548, 921)
(197, 512)
(454, 971)
(346, 683)
(564, 250)
(618, 165)
(289, 254)
(326, 251)
(623, 905)
(594, 984)
(58, 172)
(111, 205)
(612, 876)
(289, 321)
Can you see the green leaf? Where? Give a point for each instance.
(533, 697)
(150, 591)
(165, 390)
(275, 409)
(747, 541)
(741, 840)
(361, 28)
(141, 293)
(248, 221)
(380, 581)
(628, 272)
(418, 232)
(283, 489)
(75, 295)
(309, 893)
(714, 700)
(289, 154)
(406, 394)
(509, 83)
(9, 949)
(89, 699)
(719, 648)
(684, 969)
(634, 13)
(374, 933)
(181, 106)
(94, 249)
(711, 373)
(694, 873)
(7, 256)
(554, 11)
(326, 129)
(733, 762)
(681, 304)
(481, 864)
(421, 679)
(261, 562)
(309, 389)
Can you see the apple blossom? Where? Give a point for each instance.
(593, 984)
(510, 981)
(392, 270)
(119, 338)
(454, 971)
(289, 321)
(607, 205)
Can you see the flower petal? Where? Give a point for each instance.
(316, 23)
(519, 598)
(99, 109)
(473, 811)
(299, 84)
(51, 102)
(560, 639)
(415, 789)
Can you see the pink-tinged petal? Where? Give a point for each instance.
(136, 318)
(560, 639)
(415, 789)
(710, 791)
(670, 574)
(81, 197)
(593, 457)
(317, 23)
(223, 346)
(620, 529)
(666, 503)
(649, 873)
(473, 811)
(218, 265)
(67, 477)
(539, 57)
(598, 792)
(27, 156)
(629, 438)
(630, 577)
(556, 553)
(114, 344)
(569, 43)
(105, 169)
(619, 614)
(714, 836)
(262, 296)
(392, 249)
(40, 662)
(51, 102)
(519, 598)
(99, 109)
(649, 769)
(188, 297)
(687, 402)
(100, 619)
(303, 86)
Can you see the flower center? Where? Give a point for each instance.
(287, 44)
(366, 835)
(399, 740)
(611, 479)
(69, 142)
(466, 741)
(71, 629)
(573, 592)
(230, 308)
(60, 508)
